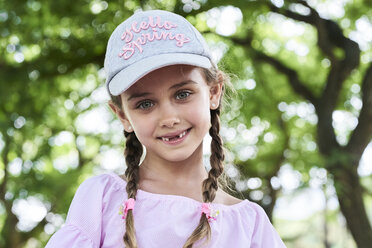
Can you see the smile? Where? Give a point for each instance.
(175, 139)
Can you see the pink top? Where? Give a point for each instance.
(93, 220)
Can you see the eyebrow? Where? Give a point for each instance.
(135, 95)
(176, 86)
(179, 85)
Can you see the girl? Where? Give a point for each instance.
(167, 93)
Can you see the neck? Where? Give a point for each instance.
(190, 171)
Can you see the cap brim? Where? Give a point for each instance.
(131, 74)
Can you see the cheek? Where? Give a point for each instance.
(142, 127)
(200, 112)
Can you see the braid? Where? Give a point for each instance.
(133, 153)
(210, 185)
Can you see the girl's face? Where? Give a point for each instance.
(169, 111)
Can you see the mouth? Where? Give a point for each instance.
(173, 139)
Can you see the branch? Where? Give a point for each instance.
(310, 19)
(4, 156)
(297, 85)
(366, 190)
(330, 37)
(47, 73)
(324, 27)
(53, 56)
(340, 70)
(362, 134)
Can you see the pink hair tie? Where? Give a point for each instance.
(209, 213)
(127, 205)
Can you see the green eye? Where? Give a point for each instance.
(183, 95)
(145, 105)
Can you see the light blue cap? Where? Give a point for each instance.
(150, 40)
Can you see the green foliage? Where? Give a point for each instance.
(51, 58)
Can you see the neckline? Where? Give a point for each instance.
(145, 194)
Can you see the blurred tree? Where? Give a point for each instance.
(49, 67)
(289, 88)
(322, 75)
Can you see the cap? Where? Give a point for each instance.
(147, 41)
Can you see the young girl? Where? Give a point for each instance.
(166, 91)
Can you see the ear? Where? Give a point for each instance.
(119, 113)
(215, 92)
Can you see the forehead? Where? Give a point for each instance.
(166, 77)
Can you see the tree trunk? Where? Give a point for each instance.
(350, 196)
(11, 237)
(325, 221)
(273, 193)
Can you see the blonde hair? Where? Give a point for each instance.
(133, 153)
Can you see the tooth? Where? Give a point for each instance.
(179, 136)
(182, 134)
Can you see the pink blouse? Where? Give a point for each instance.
(160, 220)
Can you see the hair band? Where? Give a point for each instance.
(209, 213)
(126, 206)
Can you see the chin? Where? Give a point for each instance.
(176, 157)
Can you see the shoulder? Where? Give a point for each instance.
(264, 233)
(251, 211)
(94, 192)
(87, 209)
(255, 221)
(224, 198)
(102, 183)
(256, 212)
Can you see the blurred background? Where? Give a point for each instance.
(298, 129)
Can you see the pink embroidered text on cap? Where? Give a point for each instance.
(149, 40)
(130, 47)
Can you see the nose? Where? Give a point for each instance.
(168, 116)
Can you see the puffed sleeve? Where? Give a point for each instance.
(83, 223)
(264, 234)
(70, 236)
